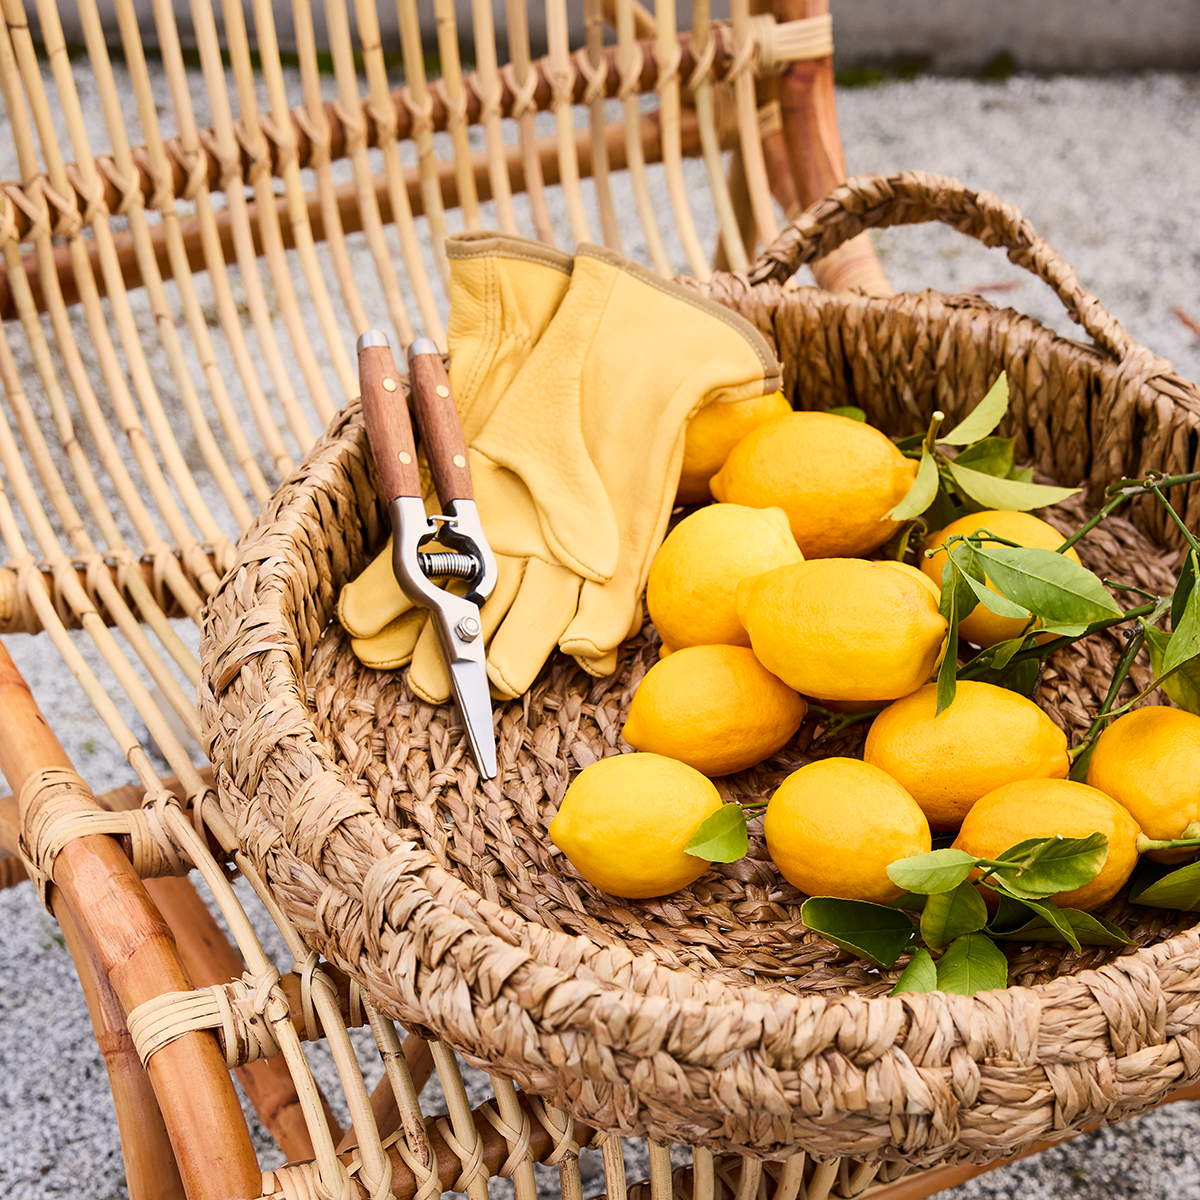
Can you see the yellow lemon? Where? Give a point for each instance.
(835, 478)
(1149, 761)
(690, 589)
(988, 737)
(853, 706)
(833, 826)
(984, 627)
(934, 588)
(843, 628)
(713, 432)
(625, 821)
(716, 708)
(1035, 808)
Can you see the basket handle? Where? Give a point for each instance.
(914, 197)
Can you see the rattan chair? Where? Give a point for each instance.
(178, 312)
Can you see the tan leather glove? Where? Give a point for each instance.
(576, 463)
(503, 292)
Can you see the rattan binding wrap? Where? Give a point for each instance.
(362, 810)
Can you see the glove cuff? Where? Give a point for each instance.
(483, 243)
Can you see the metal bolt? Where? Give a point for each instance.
(467, 629)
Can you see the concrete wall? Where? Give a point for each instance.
(964, 36)
(943, 36)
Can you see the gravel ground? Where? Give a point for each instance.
(1108, 172)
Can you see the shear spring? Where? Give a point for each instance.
(447, 565)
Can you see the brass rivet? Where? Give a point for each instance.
(442, 390)
(389, 385)
(404, 457)
(459, 461)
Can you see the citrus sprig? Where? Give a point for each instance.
(981, 475)
(959, 952)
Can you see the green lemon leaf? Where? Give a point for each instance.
(1183, 590)
(1006, 493)
(983, 418)
(1185, 640)
(1018, 921)
(1024, 475)
(944, 508)
(992, 456)
(947, 676)
(855, 414)
(1061, 630)
(949, 915)
(933, 872)
(1021, 910)
(962, 554)
(1184, 686)
(1046, 866)
(972, 964)
(920, 496)
(1051, 585)
(1001, 605)
(955, 586)
(721, 837)
(872, 931)
(1005, 650)
(1021, 677)
(919, 976)
(1177, 889)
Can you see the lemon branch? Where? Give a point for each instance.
(1190, 840)
(835, 722)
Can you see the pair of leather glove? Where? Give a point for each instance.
(575, 379)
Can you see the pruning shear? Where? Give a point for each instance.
(390, 433)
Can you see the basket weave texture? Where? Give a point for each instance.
(711, 1017)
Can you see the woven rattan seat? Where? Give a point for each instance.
(188, 255)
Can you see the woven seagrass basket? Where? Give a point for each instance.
(711, 1017)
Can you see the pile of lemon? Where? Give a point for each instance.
(764, 604)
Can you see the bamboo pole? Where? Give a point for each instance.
(384, 1108)
(334, 114)
(814, 149)
(135, 954)
(16, 617)
(209, 959)
(151, 1171)
(351, 219)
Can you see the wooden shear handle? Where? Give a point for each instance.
(438, 420)
(385, 414)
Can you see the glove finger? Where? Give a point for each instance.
(393, 646)
(603, 619)
(373, 599)
(602, 667)
(542, 609)
(607, 664)
(428, 676)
